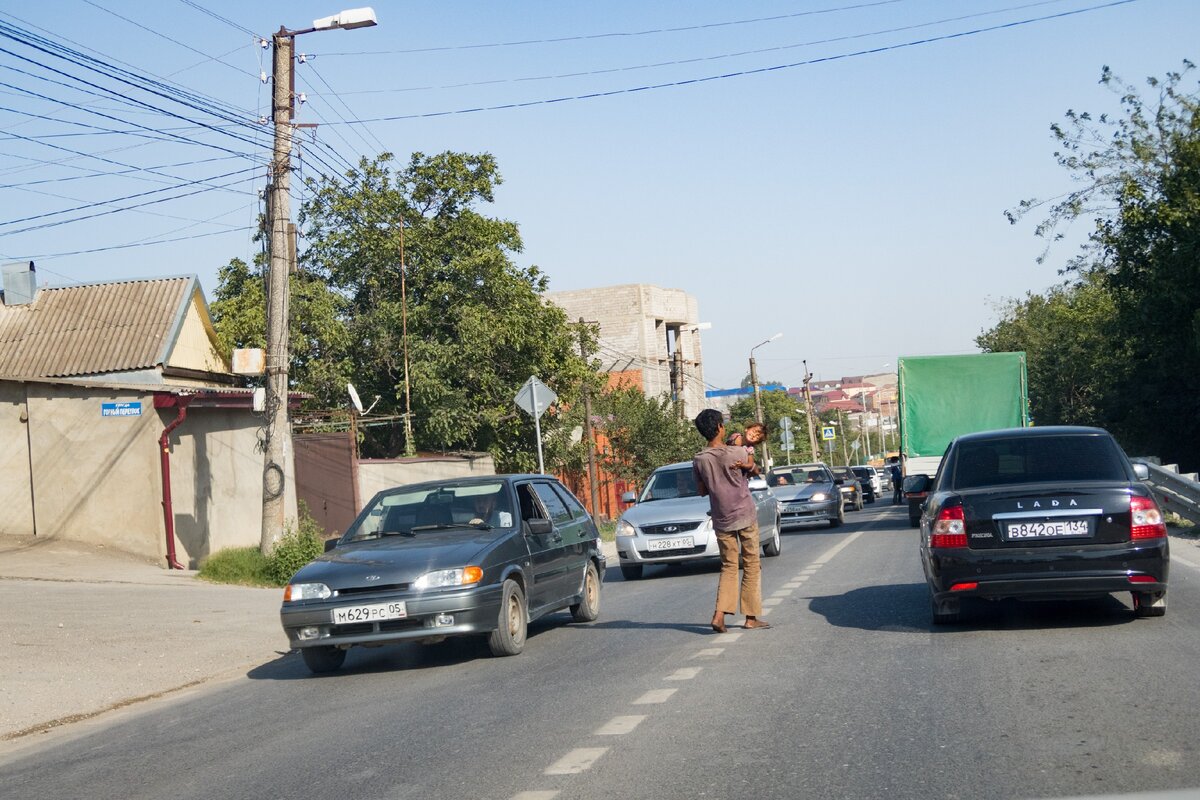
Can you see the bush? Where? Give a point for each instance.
(296, 548)
(244, 566)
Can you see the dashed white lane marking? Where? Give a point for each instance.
(772, 601)
(766, 611)
(535, 795)
(731, 637)
(709, 652)
(619, 726)
(655, 696)
(1184, 561)
(837, 548)
(576, 761)
(685, 674)
(783, 593)
(793, 585)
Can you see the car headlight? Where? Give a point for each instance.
(625, 529)
(306, 591)
(449, 577)
(819, 497)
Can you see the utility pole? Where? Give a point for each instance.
(593, 478)
(842, 425)
(758, 412)
(677, 377)
(277, 433)
(812, 430)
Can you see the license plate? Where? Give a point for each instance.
(794, 507)
(1047, 529)
(678, 543)
(372, 613)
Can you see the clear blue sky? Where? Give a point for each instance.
(854, 203)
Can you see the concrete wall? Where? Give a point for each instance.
(375, 475)
(216, 482)
(98, 479)
(95, 478)
(634, 321)
(16, 498)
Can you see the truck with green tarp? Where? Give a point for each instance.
(941, 397)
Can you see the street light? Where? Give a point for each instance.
(276, 433)
(758, 412)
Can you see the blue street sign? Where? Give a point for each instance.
(829, 433)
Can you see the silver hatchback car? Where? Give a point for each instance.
(670, 523)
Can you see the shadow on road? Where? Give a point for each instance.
(904, 608)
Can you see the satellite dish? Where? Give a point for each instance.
(354, 398)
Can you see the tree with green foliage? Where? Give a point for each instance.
(644, 433)
(776, 405)
(392, 248)
(1066, 334)
(1139, 181)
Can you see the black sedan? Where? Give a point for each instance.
(476, 556)
(1055, 512)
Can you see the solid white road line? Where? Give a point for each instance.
(619, 726)
(576, 761)
(685, 674)
(535, 795)
(655, 696)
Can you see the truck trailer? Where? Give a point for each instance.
(941, 397)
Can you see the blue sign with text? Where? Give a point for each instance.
(120, 409)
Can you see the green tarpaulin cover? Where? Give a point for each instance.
(946, 396)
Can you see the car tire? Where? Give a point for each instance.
(859, 505)
(772, 548)
(323, 659)
(631, 572)
(512, 622)
(839, 519)
(588, 607)
(1150, 604)
(946, 612)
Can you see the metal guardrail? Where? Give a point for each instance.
(1175, 492)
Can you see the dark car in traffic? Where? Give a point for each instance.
(1054, 512)
(807, 493)
(850, 486)
(867, 480)
(474, 556)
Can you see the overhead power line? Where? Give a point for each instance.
(621, 34)
(748, 72)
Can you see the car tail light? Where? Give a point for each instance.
(964, 587)
(1146, 521)
(1143, 579)
(949, 529)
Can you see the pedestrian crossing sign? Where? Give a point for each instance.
(829, 433)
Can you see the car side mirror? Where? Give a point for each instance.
(540, 527)
(629, 497)
(1141, 471)
(331, 543)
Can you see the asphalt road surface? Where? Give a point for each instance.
(851, 694)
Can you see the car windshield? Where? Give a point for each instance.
(804, 473)
(862, 472)
(669, 484)
(1037, 459)
(445, 506)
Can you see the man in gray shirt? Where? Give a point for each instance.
(719, 472)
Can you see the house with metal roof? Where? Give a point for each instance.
(123, 424)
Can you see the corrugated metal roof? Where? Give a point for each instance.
(92, 329)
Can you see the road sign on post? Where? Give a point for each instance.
(785, 424)
(534, 397)
(829, 433)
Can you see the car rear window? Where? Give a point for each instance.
(1037, 459)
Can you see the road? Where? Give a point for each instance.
(852, 694)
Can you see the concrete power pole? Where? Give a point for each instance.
(277, 433)
(593, 480)
(808, 407)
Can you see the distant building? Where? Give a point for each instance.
(642, 328)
